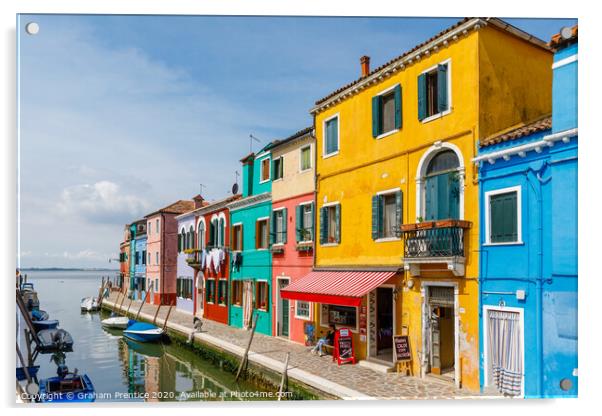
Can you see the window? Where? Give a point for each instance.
(181, 241)
(278, 168)
(156, 257)
(331, 136)
(184, 287)
(149, 258)
(261, 295)
(137, 259)
(305, 158)
(386, 111)
(143, 257)
(222, 292)
(221, 232)
(305, 222)
(214, 232)
(191, 237)
(210, 291)
(265, 170)
(442, 187)
(261, 234)
(503, 222)
(237, 237)
(339, 315)
(386, 215)
(157, 225)
(302, 309)
(330, 224)
(279, 226)
(157, 285)
(201, 235)
(149, 227)
(433, 91)
(237, 292)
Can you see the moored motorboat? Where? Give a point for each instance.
(143, 332)
(30, 297)
(32, 370)
(89, 304)
(54, 340)
(39, 315)
(118, 322)
(47, 324)
(70, 387)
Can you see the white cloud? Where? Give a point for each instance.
(101, 202)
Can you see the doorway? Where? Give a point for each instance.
(384, 323)
(283, 310)
(440, 324)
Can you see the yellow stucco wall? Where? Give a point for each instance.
(365, 166)
(295, 182)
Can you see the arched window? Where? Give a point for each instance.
(213, 233)
(442, 187)
(191, 242)
(201, 235)
(222, 232)
(183, 238)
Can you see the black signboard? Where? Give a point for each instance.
(401, 344)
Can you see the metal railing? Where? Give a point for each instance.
(434, 239)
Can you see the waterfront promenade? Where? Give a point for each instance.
(345, 382)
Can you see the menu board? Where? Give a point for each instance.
(401, 346)
(343, 346)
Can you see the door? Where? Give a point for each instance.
(384, 322)
(441, 331)
(283, 310)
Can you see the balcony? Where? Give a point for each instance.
(193, 258)
(435, 242)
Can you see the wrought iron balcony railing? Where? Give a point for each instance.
(444, 238)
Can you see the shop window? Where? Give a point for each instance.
(237, 237)
(339, 315)
(210, 291)
(302, 309)
(237, 292)
(261, 234)
(261, 295)
(222, 292)
(386, 215)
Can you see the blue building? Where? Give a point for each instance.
(138, 259)
(528, 238)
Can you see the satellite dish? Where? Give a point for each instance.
(234, 189)
(566, 32)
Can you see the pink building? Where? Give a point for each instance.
(162, 251)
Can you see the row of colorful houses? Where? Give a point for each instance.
(434, 196)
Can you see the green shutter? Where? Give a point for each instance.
(421, 97)
(376, 124)
(442, 88)
(504, 218)
(398, 106)
(212, 233)
(375, 217)
(222, 231)
(454, 195)
(284, 224)
(323, 224)
(179, 243)
(299, 222)
(430, 199)
(272, 228)
(337, 217)
(312, 222)
(398, 210)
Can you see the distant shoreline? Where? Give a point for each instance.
(66, 269)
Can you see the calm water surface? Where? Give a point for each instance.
(120, 369)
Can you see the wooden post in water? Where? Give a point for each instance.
(130, 304)
(121, 304)
(167, 317)
(150, 287)
(284, 377)
(156, 314)
(245, 357)
(114, 308)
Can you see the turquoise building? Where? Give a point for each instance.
(528, 246)
(251, 258)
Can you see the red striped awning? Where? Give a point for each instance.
(335, 287)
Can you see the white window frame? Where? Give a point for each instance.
(269, 159)
(282, 163)
(230, 294)
(280, 209)
(304, 318)
(385, 92)
(268, 225)
(486, 358)
(519, 225)
(311, 156)
(204, 234)
(449, 90)
(255, 293)
(236, 224)
(329, 204)
(303, 204)
(324, 154)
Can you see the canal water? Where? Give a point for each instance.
(121, 369)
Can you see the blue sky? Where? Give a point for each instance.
(120, 115)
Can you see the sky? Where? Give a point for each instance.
(122, 115)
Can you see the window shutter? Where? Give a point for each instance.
(311, 219)
(222, 231)
(442, 87)
(284, 224)
(398, 106)
(375, 115)
(272, 228)
(429, 199)
(375, 217)
(421, 97)
(398, 210)
(337, 216)
(179, 243)
(299, 222)
(323, 224)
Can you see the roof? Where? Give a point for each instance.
(215, 205)
(558, 41)
(518, 131)
(299, 134)
(178, 207)
(461, 27)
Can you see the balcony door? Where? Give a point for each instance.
(442, 187)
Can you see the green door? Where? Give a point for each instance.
(284, 312)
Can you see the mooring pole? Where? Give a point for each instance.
(150, 287)
(245, 357)
(130, 304)
(156, 314)
(167, 317)
(121, 304)
(284, 377)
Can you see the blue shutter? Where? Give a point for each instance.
(376, 103)
(337, 217)
(284, 224)
(454, 196)
(421, 97)
(299, 222)
(430, 199)
(398, 210)
(375, 217)
(323, 224)
(398, 106)
(443, 196)
(442, 88)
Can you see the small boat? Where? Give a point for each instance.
(119, 322)
(33, 371)
(143, 332)
(89, 304)
(70, 388)
(27, 287)
(47, 324)
(39, 315)
(56, 339)
(30, 298)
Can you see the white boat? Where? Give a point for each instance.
(89, 304)
(118, 322)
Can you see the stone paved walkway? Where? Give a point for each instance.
(360, 379)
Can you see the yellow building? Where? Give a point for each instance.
(397, 193)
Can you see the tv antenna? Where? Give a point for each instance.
(201, 186)
(251, 138)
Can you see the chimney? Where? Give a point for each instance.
(198, 201)
(365, 63)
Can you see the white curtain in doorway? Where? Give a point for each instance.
(247, 303)
(505, 351)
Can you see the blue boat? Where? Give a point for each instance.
(33, 371)
(143, 332)
(48, 324)
(39, 315)
(71, 388)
